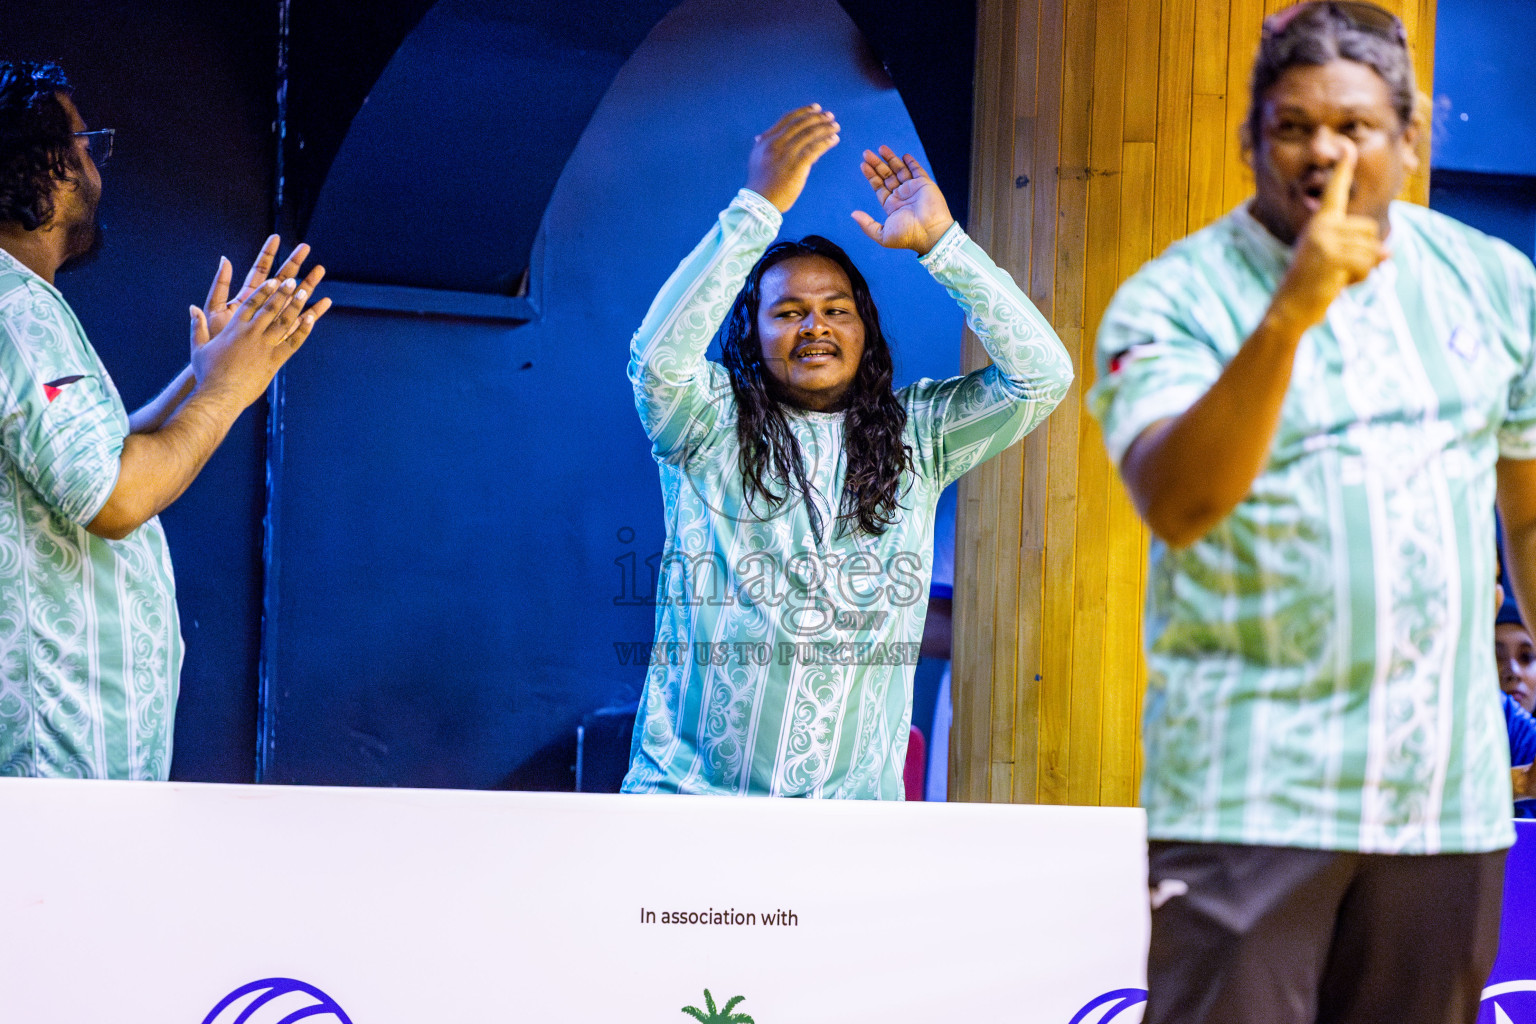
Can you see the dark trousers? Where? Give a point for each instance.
(1279, 935)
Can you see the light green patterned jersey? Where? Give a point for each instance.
(784, 657)
(1320, 667)
(90, 646)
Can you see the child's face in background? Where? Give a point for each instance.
(1515, 653)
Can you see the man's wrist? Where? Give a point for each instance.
(217, 399)
(947, 242)
(755, 204)
(1284, 321)
(762, 190)
(934, 238)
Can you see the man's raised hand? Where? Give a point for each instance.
(916, 215)
(1336, 249)
(782, 156)
(239, 361)
(219, 307)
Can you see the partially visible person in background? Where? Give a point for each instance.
(1522, 752)
(1518, 721)
(1515, 653)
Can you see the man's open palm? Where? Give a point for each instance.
(219, 308)
(916, 215)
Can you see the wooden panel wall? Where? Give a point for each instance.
(1105, 130)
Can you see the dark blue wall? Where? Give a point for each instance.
(1484, 80)
(1502, 205)
(1484, 166)
(471, 121)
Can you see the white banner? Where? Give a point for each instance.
(144, 903)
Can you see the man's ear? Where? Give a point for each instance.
(1245, 143)
(1415, 138)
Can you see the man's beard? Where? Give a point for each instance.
(85, 241)
(84, 238)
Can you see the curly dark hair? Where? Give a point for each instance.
(37, 141)
(873, 417)
(1321, 32)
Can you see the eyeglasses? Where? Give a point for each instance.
(1362, 16)
(98, 144)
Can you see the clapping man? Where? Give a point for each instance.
(90, 646)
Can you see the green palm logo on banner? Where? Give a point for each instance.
(720, 1016)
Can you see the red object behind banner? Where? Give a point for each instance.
(915, 773)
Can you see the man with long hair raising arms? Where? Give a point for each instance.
(800, 488)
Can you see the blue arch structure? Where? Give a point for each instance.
(447, 167)
(513, 84)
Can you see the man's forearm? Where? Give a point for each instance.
(155, 413)
(1016, 335)
(1188, 473)
(158, 465)
(684, 316)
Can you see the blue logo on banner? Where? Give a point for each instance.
(1509, 1002)
(277, 1001)
(1113, 1006)
(1510, 997)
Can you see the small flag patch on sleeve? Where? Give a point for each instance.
(53, 387)
(1118, 361)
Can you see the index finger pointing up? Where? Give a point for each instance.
(1336, 194)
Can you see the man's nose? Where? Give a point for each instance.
(813, 325)
(1327, 146)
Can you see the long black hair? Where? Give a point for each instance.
(873, 419)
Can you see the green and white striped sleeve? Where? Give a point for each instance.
(1517, 434)
(678, 393)
(1153, 362)
(963, 421)
(60, 419)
